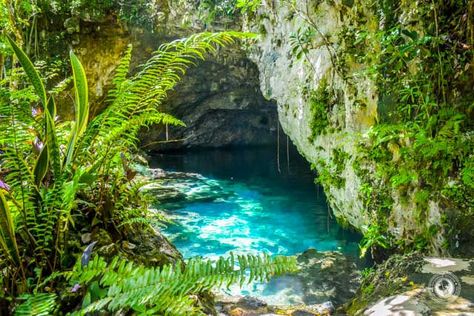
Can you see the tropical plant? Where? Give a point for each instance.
(373, 237)
(171, 289)
(248, 6)
(56, 174)
(301, 41)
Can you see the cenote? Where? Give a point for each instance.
(242, 200)
(253, 204)
(156, 157)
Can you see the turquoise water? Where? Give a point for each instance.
(241, 202)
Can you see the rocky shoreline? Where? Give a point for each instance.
(328, 282)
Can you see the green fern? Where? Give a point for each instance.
(134, 101)
(39, 304)
(169, 290)
(59, 171)
(7, 232)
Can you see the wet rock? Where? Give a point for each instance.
(86, 238)
(323, 277)
(108, 251)
(414, 285)
(165, 194)
(237, 312)
(406, 303)
(242, 306)
(250, 306)
(251, 302)
(307, 310)
(151, 248)
(157, 173)
(169, 188)
(128, 245)
(328, 306)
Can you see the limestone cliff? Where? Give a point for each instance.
(375, 95)
(219, 100)
(326, 64)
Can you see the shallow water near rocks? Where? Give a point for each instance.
(240, 201)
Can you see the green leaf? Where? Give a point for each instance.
(82, 103)
(30, 71)
(41, 166)
(81, 106)
(7, 232)
(51, 108)
(39, 304)
(51, 138)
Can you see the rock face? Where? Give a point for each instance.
(419, 286)
(221, 104)
(328, 103)
(288, 81)
(219, 99)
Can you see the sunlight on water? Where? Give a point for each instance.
(239, 202)
(244, 204)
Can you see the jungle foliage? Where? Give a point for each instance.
(60, 178)
(422, 145)
(419, 57)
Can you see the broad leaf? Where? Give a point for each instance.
(51, 138)
(7, 231)
(82, 103)
(81, 106)
(41, 166)
(30, 71)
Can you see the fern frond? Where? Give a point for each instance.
(168, 290)
(136, 99)
(121, 73)
(39, 304)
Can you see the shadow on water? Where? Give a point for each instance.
(263, 209)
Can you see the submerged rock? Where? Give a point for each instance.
(168, 188)
(325, 280)
(323, 276)
(252, 302)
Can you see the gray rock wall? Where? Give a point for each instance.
(353, 107)
(287, 80)
(219, 99)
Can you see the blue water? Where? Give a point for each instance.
(252, 205)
